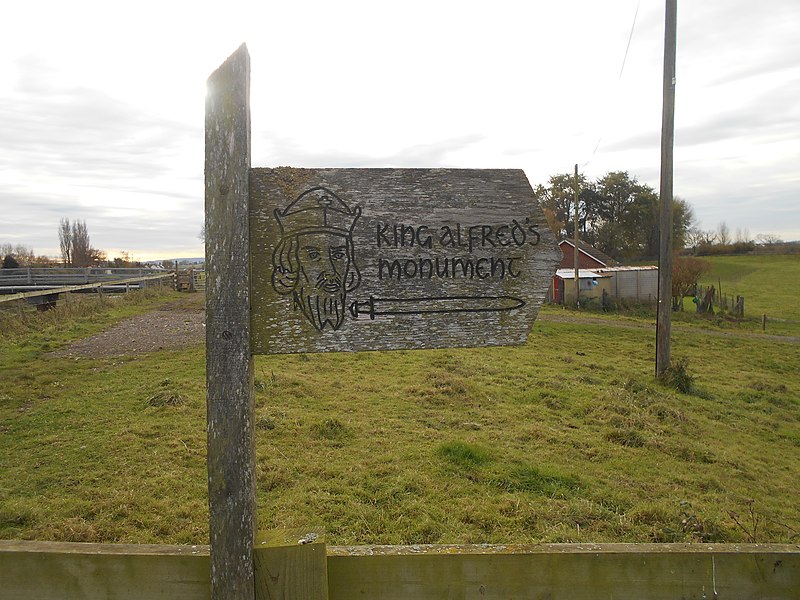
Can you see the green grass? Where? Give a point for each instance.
(568, 438)
(769, 283)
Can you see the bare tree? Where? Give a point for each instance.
(76, 249)
(686, 272)
(742, 235)
(768, 239)
(724, 233)
(65, 241)
(23, 254)
(80, 244)
(694, 237)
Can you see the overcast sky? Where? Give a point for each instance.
(102, 103)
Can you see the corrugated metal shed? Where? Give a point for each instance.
(582, 274)
(633, 283)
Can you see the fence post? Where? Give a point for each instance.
(229, 363)
(290, 563)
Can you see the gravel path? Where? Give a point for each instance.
(174, 326)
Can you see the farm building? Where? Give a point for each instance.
(589, 257)
(599, 272)
(592, 286)
(639, 284)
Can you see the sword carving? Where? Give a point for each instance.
(374, 307)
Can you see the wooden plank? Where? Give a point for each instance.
(380, 259)
(57, 570)
(566, 571)
(291, 564)
(229, 367)
(72, 571)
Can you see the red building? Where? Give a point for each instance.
(588, 256)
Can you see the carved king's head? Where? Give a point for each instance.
(314, 259)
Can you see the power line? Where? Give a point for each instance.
(619, 77)
(630, 37)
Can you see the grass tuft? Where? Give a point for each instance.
(331, 429)
(626, 437)
(464, 455)
(527, 478)
(677, 377)
(166, 398)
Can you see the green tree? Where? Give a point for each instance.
(648, 224)
(683, 223)
(624, 207)
(9, 262)
(557, 200)
(616, 213)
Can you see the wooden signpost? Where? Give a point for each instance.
(384, 259)
(318, 260)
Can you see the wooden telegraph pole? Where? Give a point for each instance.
(229, 363)
(664, 316)
(575, 250)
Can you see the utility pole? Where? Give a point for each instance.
(575, 250)
(664, 315)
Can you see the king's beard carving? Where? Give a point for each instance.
(324, 303)
(324, 268)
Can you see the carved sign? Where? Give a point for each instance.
(382, 259)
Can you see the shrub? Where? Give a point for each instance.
(678, 377)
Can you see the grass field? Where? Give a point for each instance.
(567, 438)
(769, 283)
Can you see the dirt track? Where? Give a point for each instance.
(176, 325)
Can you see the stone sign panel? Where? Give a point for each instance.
(382, 259)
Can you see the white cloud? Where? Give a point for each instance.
(101, 104)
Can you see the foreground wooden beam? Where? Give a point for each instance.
(565, 571)
(64, 571)
(72, 571)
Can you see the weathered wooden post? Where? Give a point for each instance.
(664, 312)
(229, 367)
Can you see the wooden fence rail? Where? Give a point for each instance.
(85, 286)
(65, 276)
(47, 570)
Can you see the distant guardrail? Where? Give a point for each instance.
(100, 284)
(41, 276)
